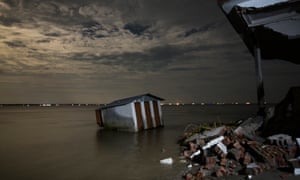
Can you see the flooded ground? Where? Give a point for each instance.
(65, 143)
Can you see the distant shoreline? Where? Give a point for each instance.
(98, 105)
(47, 105)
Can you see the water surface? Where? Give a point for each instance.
(64, 143)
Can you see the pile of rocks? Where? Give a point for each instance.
(239, 150)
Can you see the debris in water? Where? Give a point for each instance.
(167, 161)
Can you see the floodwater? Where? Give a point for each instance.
(64, 143)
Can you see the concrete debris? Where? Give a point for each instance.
(250, 127)
(298, 142)
(295, 165)
(272, 155)
(280, 139)
(213, 142)
(222, 147)
(228, 151)
(167, 161)
(207, 134)
(286, 142)
(195, 154)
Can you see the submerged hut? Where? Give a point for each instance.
(131, 114)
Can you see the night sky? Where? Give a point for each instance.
(96, 51)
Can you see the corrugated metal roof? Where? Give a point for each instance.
(260, 3)
(227, 5)
(139, 98)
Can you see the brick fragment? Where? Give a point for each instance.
(238, 146)
(223, 162)
(273, 155)
(210, 162)
(193, 146)
(221, 171)
(227, 141)
(236, 154)
(291, 150)
(253, 156)
(247, 158)
(189, 176)
(217, 150)
(203, 173)
(187, 153)
(254, 169)
(232, 164)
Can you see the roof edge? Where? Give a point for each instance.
(129, 100)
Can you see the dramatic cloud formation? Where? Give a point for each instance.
(64, 51)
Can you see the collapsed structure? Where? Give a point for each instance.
(269, 28)
(238, 150)
(247, 147)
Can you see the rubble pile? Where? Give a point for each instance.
(237, 150)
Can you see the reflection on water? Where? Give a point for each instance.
(137, 155)
(116, 139)
(65, 143)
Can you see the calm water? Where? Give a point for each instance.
(65, 143)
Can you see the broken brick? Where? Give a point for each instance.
(247, 158)
(251, 156)
(210, 162)
(223, 162)
(221, 171)
(236, 154)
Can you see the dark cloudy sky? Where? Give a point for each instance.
(96, 51)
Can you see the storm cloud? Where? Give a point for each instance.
(164, 47)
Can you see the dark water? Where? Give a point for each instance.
(65, 143)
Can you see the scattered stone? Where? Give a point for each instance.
(229, 151)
